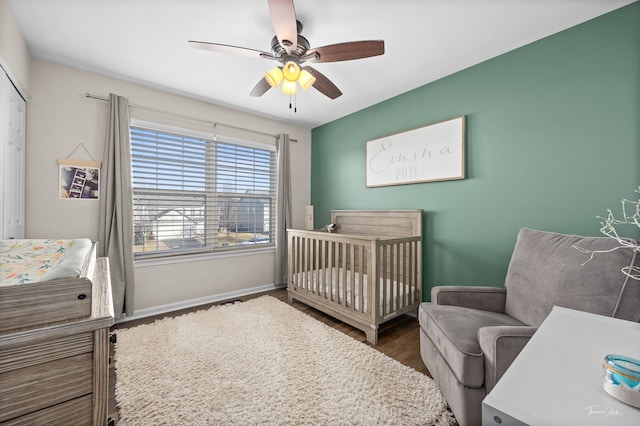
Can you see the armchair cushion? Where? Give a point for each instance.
(454, 331)
(500, 346)
(483, 298)
(547, 269)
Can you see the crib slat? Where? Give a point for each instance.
(330, 270)
(401, 276)
(305, 268)
(297, 264)
(387, 278)
(383, 279)
(342, 281)
(315, 267)
(325, 268)
(351, 276)
(392, 270)
(373, 272)
(308, 265)
(408, 277)
(362, 276)
(345, 271)
(339, 249)
(352, 284)
(396, 282)
(417, 283)
(403, 290)
(301, 263)
(399, 282)
(322, 267)
(290, 259)
(409, 292)
(413, 281)
(355, 273)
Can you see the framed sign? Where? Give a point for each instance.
(426, 154)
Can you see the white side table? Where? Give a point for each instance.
(557, 378)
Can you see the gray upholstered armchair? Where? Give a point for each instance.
(470, 335)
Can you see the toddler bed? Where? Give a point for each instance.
(45, 281)
(365, 273)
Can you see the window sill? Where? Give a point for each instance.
(199, 257)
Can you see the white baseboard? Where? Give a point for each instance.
(163, 309)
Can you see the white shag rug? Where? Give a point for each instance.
(263, 362)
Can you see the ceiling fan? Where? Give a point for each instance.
(292, 50)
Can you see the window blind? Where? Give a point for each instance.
(192, 194)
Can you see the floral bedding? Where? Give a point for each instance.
(27, 261)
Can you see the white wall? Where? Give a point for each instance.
(59, 117)
(14, 55)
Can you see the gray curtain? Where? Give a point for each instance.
(283, 208)
(115, 227)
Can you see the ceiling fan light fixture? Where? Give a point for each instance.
(291, 49)
(274, 77)
(291, 71)
(289, 87)
(306, 79)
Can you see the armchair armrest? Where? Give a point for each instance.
(483, 298)
(500, 346)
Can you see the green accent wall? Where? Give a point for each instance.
(552, 141)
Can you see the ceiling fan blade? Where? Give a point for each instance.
(225, 48)
(283, 16)
(323, 84)
(348, 51)
(261, 88)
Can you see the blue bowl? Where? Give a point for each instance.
(623, 371)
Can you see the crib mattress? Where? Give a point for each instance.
(333, 280)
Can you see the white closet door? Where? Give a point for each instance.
(12, 182)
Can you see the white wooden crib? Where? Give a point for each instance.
(366, 272)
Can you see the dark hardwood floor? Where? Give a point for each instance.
(398, 338)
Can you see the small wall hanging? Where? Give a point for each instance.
(79, 179)
(427, 154)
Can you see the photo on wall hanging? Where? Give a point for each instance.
(79, 182)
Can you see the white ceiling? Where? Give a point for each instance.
(146, 41)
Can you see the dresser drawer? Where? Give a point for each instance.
(35, 387)
(77, 412)
(32, 305)
(42, 350)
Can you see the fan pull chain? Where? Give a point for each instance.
(295, 102)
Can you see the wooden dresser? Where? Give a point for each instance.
(58, 374)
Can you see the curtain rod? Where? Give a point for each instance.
(175, 114)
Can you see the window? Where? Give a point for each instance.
(194, 194)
